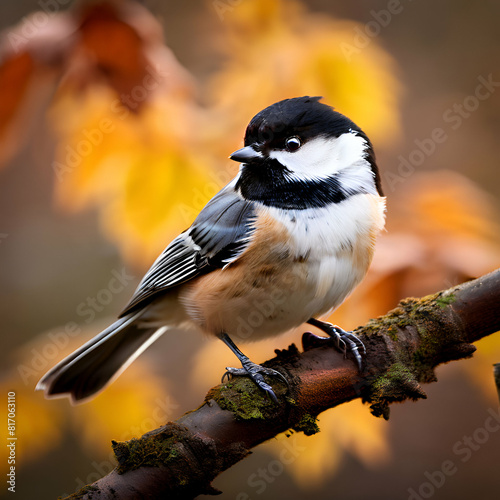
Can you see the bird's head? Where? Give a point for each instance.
(299, 144)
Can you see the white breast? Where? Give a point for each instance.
(303, 264)
(337, 244)
(320, 232)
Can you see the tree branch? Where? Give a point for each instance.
(403, 347)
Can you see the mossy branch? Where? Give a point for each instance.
(180, 459)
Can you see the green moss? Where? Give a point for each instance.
(245, 400)
(392, 331)
(445, 300)
(389, 383)
(439, 340)
(427, 317)
(389, 324)
(308, 424)
(396, 384)
(248, 402)
(421, 330)
(136, 453)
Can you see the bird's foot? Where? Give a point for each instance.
(256, 373)
(343, 340)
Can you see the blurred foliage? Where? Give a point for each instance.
(136, 404)
(134, 142)
(277, 49)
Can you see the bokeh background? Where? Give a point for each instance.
(116, 121)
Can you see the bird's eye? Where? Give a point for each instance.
(292, 144)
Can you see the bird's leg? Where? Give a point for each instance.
(250, 369)
(343, 340)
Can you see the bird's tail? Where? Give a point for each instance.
(91, 367)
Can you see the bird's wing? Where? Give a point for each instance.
(217, 237)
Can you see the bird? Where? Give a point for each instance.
(281, 245)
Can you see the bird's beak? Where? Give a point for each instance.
(245, 154)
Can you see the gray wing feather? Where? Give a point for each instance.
(222, 226)
(217, 237)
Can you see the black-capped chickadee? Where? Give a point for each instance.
(282, 244)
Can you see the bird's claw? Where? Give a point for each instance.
(341, 339)
(255, 372)
(346, 340)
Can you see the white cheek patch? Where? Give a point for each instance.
(323, 156)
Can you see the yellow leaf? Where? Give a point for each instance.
(277, 50)
(142, 171)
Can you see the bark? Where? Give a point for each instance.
(180, 459)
